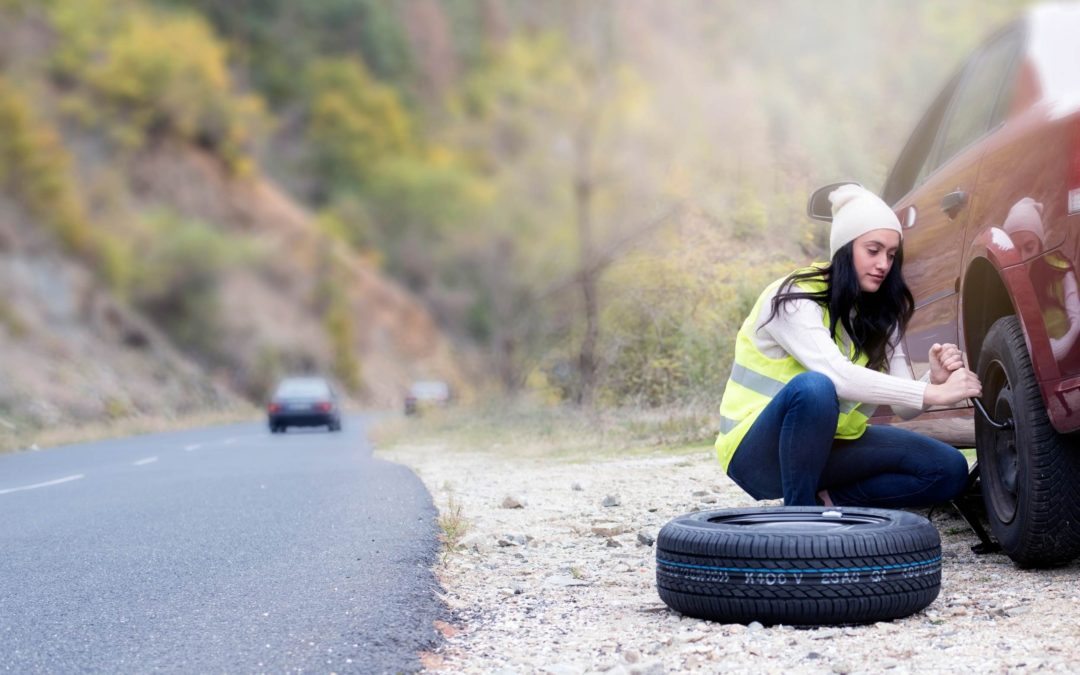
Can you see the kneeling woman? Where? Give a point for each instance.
(819, 352)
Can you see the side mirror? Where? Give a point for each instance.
(819, 207)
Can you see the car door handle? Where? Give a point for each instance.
(953, 202)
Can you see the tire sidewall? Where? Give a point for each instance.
(875, 565)
(998, 348)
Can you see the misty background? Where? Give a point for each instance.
(572, 201)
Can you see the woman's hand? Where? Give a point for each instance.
(944, 359)
(961, 384)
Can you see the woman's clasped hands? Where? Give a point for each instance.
(950, 381)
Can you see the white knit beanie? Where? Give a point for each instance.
(1025, 214)
(857, 211)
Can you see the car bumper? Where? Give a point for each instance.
(300, 419)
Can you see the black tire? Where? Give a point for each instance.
(1030, 474)
(802, 566)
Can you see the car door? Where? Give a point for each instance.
(935, 213)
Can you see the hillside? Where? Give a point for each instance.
(149, 272)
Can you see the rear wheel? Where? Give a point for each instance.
(1030, 474)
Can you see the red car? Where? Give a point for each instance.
(987, 190)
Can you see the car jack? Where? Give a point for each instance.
(965, 505)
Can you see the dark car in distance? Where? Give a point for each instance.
(987, 190)
(303, 402)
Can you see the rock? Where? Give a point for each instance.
(576, 487)
(699, 493)
(754, 626)
(609, 529)
(565, 581)
(611, 543)
(692, 636)
(654, 668)
(824, 634)
(513, 540)
(561, 669)
(480, 543)
(512, 502)
(708, 500)
(632, 656)
(611, 500)
(645, 539)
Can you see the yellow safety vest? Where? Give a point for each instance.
(756, 378)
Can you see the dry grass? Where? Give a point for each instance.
(13, 438)
(524, 428)
(453, 524)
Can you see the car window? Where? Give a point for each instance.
(911, 164)
(304, 387)
(975, 108)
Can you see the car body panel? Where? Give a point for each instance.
(1014, 247)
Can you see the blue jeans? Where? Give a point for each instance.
(790, 452)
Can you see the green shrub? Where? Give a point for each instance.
(354, 122)
(177, 276)
(154, 73)
(10, 319)
(36, 168)
(668, 333)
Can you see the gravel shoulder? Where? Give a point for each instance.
(565, 582)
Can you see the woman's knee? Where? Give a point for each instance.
(816, 388)
(950, 475)
(955, 474)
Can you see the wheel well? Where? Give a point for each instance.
(985, 301)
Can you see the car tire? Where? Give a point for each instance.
(335, 426)
(803, 566)
(1029, 474)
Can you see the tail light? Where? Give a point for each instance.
(274, 407)
(324, 406)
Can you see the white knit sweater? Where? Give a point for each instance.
(799, 330)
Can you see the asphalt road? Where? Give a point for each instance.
(225, 549)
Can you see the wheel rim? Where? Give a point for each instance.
(1003, 460)
(811, 521)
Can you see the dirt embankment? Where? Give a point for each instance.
(71, 353)
(396, 338)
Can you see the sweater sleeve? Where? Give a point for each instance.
(799, 329)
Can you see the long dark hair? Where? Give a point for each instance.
(876, 315)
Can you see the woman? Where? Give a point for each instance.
(819, 352)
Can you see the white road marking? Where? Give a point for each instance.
(194, 446)
(41, 485)
(142, 462)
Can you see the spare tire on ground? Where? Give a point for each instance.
(801, 566)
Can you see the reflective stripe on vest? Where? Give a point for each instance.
(755, 379)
